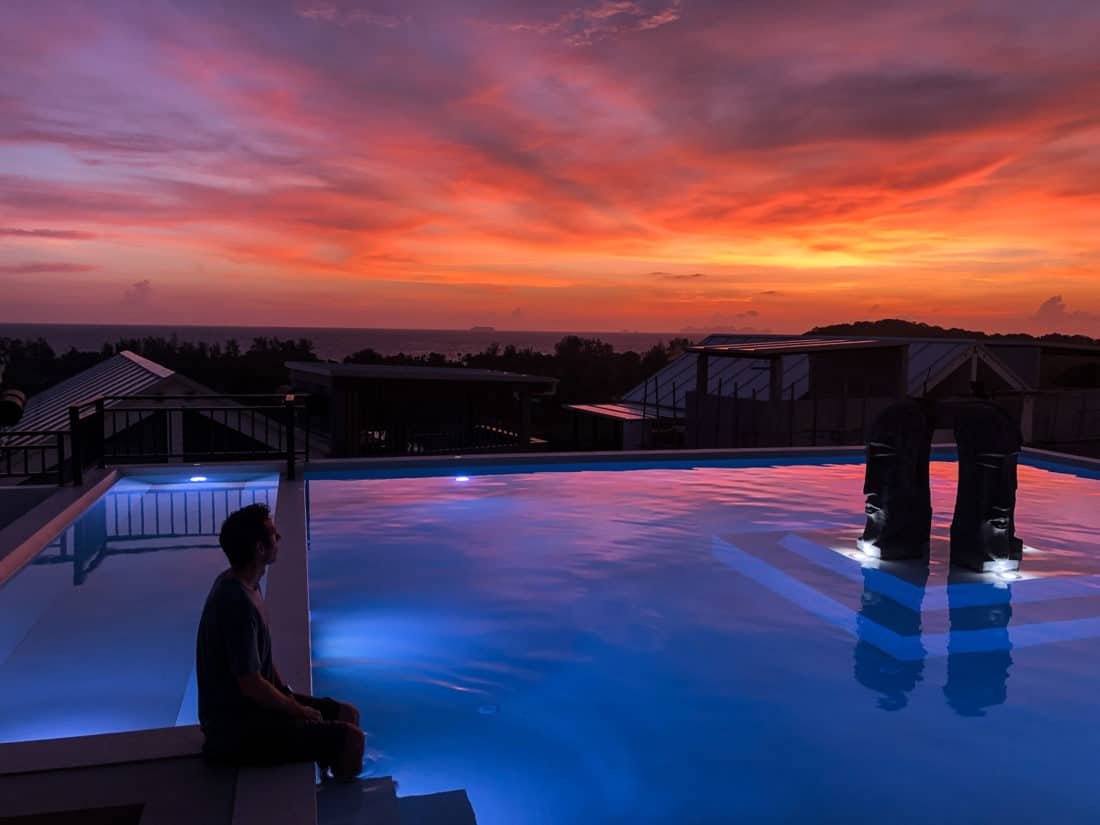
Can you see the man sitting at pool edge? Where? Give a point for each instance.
(248, 714)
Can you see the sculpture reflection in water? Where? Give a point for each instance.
(151, 520)
(893, 678)
(978, 646)
(977, 674)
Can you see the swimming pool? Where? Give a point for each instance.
(97, 631)
(698, 643)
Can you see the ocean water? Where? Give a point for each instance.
(330, 342)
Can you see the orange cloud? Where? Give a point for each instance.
(440, 167)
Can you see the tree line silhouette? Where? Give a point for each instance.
(587, 369)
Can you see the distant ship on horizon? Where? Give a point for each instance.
(483, 329)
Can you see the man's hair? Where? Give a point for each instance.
(242, 530)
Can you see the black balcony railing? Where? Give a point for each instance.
(113, 430)
(36, 454)
(403, 439)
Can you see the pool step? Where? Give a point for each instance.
(367, 802)
(375, 802)
(446, 808)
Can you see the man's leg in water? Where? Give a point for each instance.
(350, 761)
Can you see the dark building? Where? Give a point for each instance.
(366, 409)
(771, 390)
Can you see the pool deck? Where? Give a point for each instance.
(162, 768)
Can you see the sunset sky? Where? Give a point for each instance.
(540, 164)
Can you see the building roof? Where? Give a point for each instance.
(931, 360)
(397, 372)
(1046, 346)
(789, 346)
(622, 412)
(744, 377)
(120, 375)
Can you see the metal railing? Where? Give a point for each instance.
(149, 521)
(113, 430)
(404, 440)
(27, 453)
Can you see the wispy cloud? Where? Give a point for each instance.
(349, 15)
(52, 234)
(45, 268)
(669, 276)
(587, 25)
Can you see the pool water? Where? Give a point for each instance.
(97, 632)
(703, 645)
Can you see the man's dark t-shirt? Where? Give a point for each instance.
(233, 640)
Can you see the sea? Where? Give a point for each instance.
(330, 343)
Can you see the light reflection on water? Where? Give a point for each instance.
(640, 680)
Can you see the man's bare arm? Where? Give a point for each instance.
(267, 696)
(280, 682)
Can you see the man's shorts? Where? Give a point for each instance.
(262, 737)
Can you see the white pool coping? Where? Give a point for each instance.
(285, 793)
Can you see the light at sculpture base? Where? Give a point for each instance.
(1000, 566)
(869, 548)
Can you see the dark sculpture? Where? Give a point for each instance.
(899, 505)
(983, 530)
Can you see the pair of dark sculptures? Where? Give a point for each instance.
(899, 504)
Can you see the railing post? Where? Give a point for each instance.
(288, 405)
(718, 415)
(790, 419)
(101, 441)
(60, 446)
(308, 433)
(75, 446)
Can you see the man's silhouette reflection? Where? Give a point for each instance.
(891, 678)
(978, 654)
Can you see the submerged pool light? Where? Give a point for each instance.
(462, 478)
(197, 478)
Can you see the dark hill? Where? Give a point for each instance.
(897, 327)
